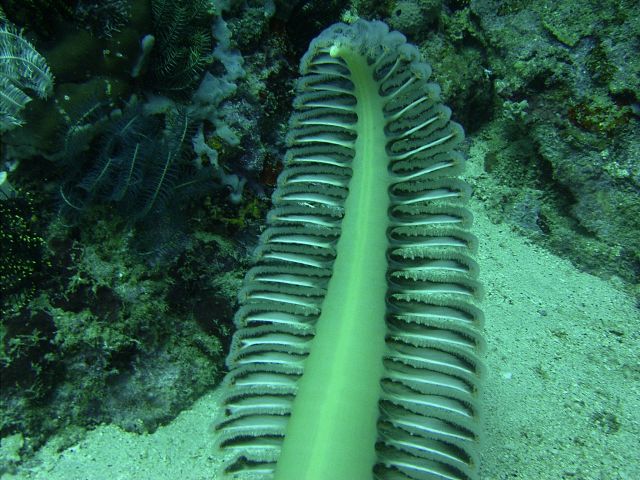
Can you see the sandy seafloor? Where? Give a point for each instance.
(561, 394)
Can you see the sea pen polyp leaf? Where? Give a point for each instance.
(357, 354)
